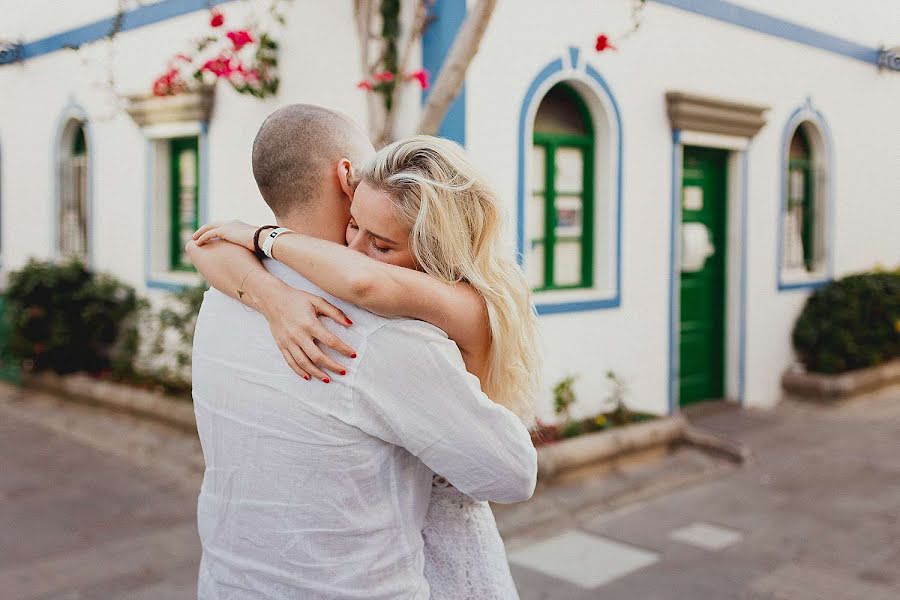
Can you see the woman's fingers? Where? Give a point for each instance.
(308, 362)
(326, 308)
(293, 364)
(204, 229)
(327, 338)
(321, 360)
(207, 236)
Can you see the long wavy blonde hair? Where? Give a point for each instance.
(456, 235)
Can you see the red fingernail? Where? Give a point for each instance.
(353, 355)
(349, 322)
(326, 380)
(306, 377)
(343, 371)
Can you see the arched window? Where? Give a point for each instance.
(804, 209)
(560, 212)
(72, 190)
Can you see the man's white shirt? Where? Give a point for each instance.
(319, 491)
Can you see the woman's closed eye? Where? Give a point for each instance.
(374, 242)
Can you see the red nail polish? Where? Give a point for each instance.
(306, 377)
(326, 380)
(343, 371)
(349, 322)
(353, 355)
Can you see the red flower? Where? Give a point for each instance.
(216, 18)
(603, 43)
(383, 76)
(219, 66)
(239, 38)
(365, 84)
(421, 76)
(168, 84)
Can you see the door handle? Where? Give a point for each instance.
(696, 247)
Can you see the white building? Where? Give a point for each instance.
(700, 180)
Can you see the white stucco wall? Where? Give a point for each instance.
(676, 50)
(673, 50)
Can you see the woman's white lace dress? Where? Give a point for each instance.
(464, 555)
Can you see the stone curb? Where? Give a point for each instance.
(822, 387)
(117, 396)
(604, 445)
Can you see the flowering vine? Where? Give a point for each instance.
(245, 57)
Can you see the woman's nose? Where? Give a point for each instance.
(356, 242)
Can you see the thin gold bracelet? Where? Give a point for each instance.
(241, 291)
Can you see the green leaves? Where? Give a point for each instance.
(850, 324)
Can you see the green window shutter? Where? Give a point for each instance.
(568, 232)
(184, 198)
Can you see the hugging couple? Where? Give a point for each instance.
(363, 374)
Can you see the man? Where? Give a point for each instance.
(316, 490)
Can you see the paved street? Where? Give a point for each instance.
(102, 506)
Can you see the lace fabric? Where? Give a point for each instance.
(464, 554)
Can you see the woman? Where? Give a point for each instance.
(426, 231)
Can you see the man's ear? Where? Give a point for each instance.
(345, 177)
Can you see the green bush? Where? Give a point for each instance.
(66, 318)
(850, 324)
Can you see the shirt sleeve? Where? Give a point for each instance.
(412, 389)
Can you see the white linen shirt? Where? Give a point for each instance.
(319, 491)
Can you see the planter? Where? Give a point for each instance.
(592, 449)
(824, 388)
(195, 106)
(117, 396)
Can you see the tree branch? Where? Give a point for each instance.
(453, 74)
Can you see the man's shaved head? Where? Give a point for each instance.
(296, 151)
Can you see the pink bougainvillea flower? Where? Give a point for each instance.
(383, 76)
(216, 18)
(252, 75)
(421, 76)
(168, 83)
(365, 84)
(219, 66)
(603, 43)
(239, 38)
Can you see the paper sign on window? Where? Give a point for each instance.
(693, 198)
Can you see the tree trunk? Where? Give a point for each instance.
(450, 80)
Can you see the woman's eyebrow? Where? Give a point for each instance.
(381, 237)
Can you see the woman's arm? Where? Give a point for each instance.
(382, 288)
(231, 270)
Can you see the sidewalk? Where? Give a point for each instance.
(815, 515)
(95, 505)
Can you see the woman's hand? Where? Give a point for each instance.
(293, 317)
(236, 232)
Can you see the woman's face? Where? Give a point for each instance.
(375, 231)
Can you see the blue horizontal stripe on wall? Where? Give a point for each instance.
(775, 26)
(132, 19)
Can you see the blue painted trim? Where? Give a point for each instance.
(448, 17)
(745, 242)
(550, 70)
(672, 391)
(72, 111)
(620, 150)
(573, 56)
(132, 19)
(734, 14)
(569, 307)
(806, 114)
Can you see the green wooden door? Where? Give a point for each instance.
(702, 346)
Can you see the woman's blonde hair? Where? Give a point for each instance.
(456, 235)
